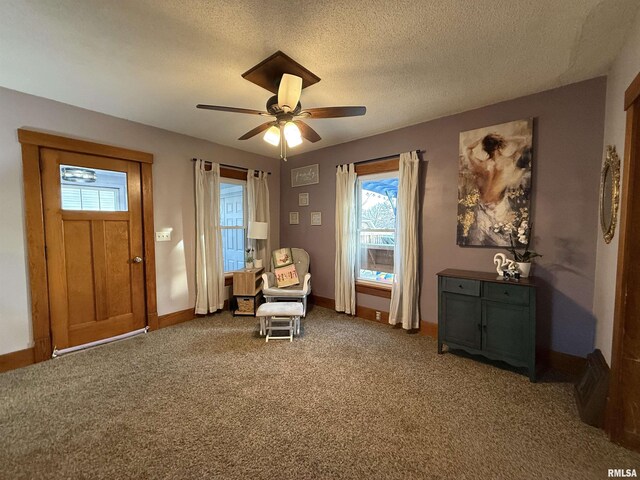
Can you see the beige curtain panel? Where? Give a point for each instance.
(258, 206)
(346, 239)
(209, 262)
(405, 291)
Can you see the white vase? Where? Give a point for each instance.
(249, 265)
(524, 268)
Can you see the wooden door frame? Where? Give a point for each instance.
(32, 142)
(630, 188)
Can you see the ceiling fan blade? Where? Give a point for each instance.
(334, 112)
(307, 132)
(289, 92)
(256, 131)
(232, 109)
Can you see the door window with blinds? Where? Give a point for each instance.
(233, 223)
(377, 197)
(93, 189)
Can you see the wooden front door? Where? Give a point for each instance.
(94, 246)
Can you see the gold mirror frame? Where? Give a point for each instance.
(610, 172)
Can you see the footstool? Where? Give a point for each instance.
(280, 316)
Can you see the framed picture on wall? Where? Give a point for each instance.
(316, 218)
(294, 218)
(303, 200)
(494, 184)
(308, 175)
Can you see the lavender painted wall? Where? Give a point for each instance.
(568, 145)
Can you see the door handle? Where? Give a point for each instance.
(136, 259)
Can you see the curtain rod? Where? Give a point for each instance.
(242, 169)
(386, 157)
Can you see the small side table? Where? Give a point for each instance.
(247, 291)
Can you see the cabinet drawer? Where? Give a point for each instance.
(507, 293)
(462, 286)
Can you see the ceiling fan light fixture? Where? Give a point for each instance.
(272, 136)
(289, 92)
(292, 134)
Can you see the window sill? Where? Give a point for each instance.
(375, 289)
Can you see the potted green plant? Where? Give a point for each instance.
(249, 258)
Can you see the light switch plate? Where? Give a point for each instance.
(163, 236)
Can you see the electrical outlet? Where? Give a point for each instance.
(378, 315)
(163, 236)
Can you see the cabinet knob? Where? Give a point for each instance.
(460, 286)
(506, 293)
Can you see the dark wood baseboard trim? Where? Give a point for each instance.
(13, 360)
(428, 329)
(181, 316)
(562, 362)
(323, 301)
(176, 317)
(375, 290)
(370, 314)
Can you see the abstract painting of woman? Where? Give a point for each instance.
(494, 183)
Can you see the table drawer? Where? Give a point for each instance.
(462, 286)
(506, 293)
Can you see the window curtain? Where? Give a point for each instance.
(258, 206)
(405, 290)
(209, 263)
(346, 239)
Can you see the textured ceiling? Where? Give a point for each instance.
(152, 61)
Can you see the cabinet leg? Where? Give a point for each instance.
(439, 347)
(532, 373)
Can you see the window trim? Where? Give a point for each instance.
(226, 172)
(376, 289)
(382, 166)
(373, 169)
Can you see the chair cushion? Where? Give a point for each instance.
(285, 309)
(295, 291)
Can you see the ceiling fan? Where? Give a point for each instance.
(285, 107)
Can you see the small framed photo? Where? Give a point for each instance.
(303, 199)
(294, 218)
(316, 218)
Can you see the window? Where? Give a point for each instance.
(377, 196)
(233, 223)
(93, 189)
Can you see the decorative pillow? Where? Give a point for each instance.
(286, 276)
(282, 257)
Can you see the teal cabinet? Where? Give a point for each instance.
(463, 314)
(484, 315)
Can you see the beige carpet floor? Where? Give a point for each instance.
(349, 399)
